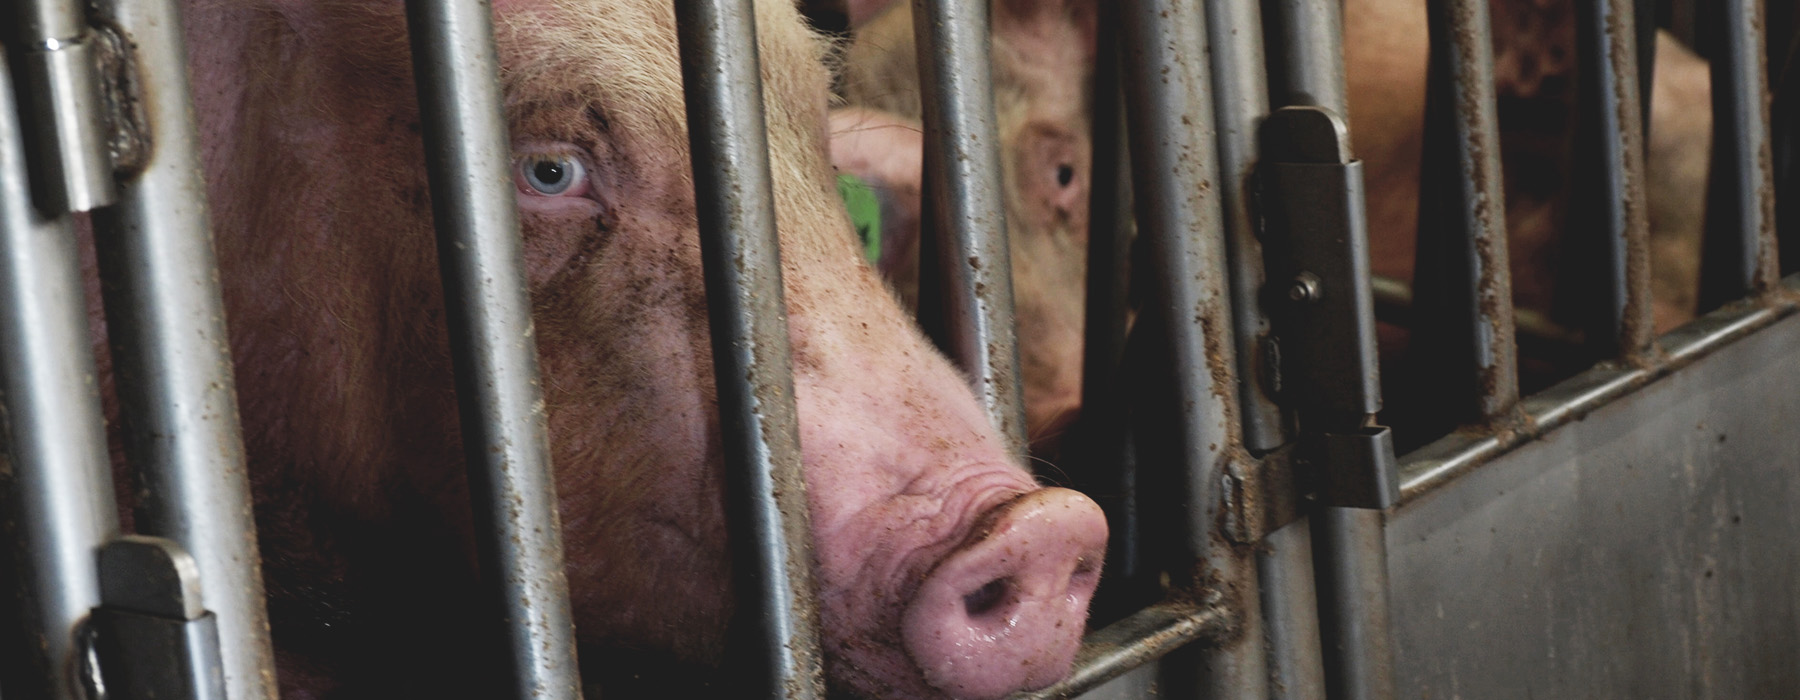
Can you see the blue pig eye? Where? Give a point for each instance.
(551, 174)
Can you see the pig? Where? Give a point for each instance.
(1042, 61)
(944, 569)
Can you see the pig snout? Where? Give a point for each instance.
(1006, 610)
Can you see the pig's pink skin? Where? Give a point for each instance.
(320, 213)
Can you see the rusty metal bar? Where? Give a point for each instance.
(1134, 641)
(171, 356)
(56, 490)
(1168, 90)
(740, 250)
(506, 443)
(1462, 316)
(1739, 250)
(1606, 275)
(967, 305)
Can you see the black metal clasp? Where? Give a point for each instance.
(153, 637)
(1321, 304)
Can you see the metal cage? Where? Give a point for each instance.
(1267, 541)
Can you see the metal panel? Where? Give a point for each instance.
(966, 292)
(171, 357)
(506, 444)
(1643, 551)
(765, 488)
(56, 491)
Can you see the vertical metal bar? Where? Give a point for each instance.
(1463, 308)
(1739, 254)
(519, 540)
(965, 215)
(56, 491)
(1307, 47)
(1291, 619)
(740, 250)
(1608, 272)
(71, 168)
(172, 359)
(1240, 86)
(1309, 70)
(1169, 107)
(1785, 120)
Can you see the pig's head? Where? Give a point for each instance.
(1043, 57)
(944, 569)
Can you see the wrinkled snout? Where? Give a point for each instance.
(1007, 609)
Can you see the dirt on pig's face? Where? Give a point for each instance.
(321, 214)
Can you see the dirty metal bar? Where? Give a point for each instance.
(519, 540)
(1132, 642)
(1309, 67)
(1739, 256)
(1462, 318)
(1284, 564)
(765, 488)
(1785, 116)
(71, 167)
(1169, 106)
(1608, 267)
(1241, 96)
(969, 310)
(171, 355)
(56, 490)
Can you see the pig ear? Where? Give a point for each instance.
(1044, 20)
(885, 152)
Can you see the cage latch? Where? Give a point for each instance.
(151, 634)
(1316, 251)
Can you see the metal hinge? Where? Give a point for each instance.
(152, 638)
(1321, 305)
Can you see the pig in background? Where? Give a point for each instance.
(944, 569)
(1043, 64)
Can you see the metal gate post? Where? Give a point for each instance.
(56, 490)
(519, 536)
(171, 356)
(740, 248)
(965, 289)
(1174, 167)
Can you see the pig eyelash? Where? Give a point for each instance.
(551, 173)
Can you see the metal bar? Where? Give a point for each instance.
(1463, 325)
(56, 482)
(1435, 465)
(1739, 254)
(1290, 613)
(71, 167)
(1606, 275)
(766, 489)
(1309, 68)
(1240, 87)
(1307, 46)
(519, 545)
(965, 215)
(1169, 107)
(1132, 642)
(172, 360)
(1785, 118)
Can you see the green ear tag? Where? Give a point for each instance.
(865, 213)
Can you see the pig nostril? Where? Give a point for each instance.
(984, 601)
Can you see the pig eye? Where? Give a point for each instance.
(1065, 174)
(550, 174)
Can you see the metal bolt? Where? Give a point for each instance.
(1306, 288)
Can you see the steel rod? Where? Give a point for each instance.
(171, 357)
(1168, 92)
(1309, 68)
(1462, 327)
(965, 215)
(766, 490)
(56, 490)
(1739, 254)
(519, 540)
(70, 166)
(1607, 276)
